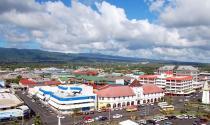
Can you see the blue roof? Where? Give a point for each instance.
(72, 98)
(11, 113)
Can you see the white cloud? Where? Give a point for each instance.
(186, 13)
(80, 28)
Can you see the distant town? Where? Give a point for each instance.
(169, 94)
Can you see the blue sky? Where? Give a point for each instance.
(137, 9)
(156, 29)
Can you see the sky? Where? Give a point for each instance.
(154, 29)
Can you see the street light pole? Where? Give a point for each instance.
(109, 114)
(59, 118)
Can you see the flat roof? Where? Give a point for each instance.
(8, 100)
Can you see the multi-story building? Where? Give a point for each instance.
(166, 68)
(160, 81)
(150, 79)
(179, 85)
(188, 71)
(67, 98)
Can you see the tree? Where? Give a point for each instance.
(15, 122)
(37, 120)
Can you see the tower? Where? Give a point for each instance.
(205, 96)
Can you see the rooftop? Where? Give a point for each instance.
(8, 100)
(180, 78)
(167, 67)
(135, 83)
(187, 68)
(115, 91)
(148, 76)
(151, 88)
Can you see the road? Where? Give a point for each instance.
(49, 117)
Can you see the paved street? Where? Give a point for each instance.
(49, 117)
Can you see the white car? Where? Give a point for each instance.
(97, 118)
(89, 120)
(117, 116)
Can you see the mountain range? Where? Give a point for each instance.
(8, 55)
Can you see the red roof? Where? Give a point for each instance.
(181, 78)
(115, 91)
(169, 72)
(27, 82)
(86, 72)
(52, 83)
(148, 76)
(151, 88)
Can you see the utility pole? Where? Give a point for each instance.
(59, 118)
(23, 119)
(109, 114)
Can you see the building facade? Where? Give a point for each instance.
(179, 85)
(147, 79)
(115, 96)
(66, 98)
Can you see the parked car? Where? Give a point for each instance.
(142, 122)
(87, 117)
(168, 123)
(89, 121)
(150, 122)
(131, 109)
(98, 118)
(103, 118)
(117, 116)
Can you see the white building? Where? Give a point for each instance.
(166, 68)
(205, 96)
(188, 71)
(66, 98)
(146, 93)
(160, 81)
(115, 96)
(118, 96)
(179, 85)
(148, 79)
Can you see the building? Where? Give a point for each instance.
(148, 79)
(27, 83)
(146, 93)
(188, 71)
(160, 81)
(205, 96)
(166, 68)
(179, 85)
(119, 96)
(66, 98)
(115, 96)
(9, 100)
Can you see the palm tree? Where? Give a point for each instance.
(37, 120)
(75, 111)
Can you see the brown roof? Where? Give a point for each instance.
(135, 83)
(115, 91)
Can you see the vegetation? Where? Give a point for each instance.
(37, 120)
(16, 80)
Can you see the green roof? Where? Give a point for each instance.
(63, 78)
(90, 78)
